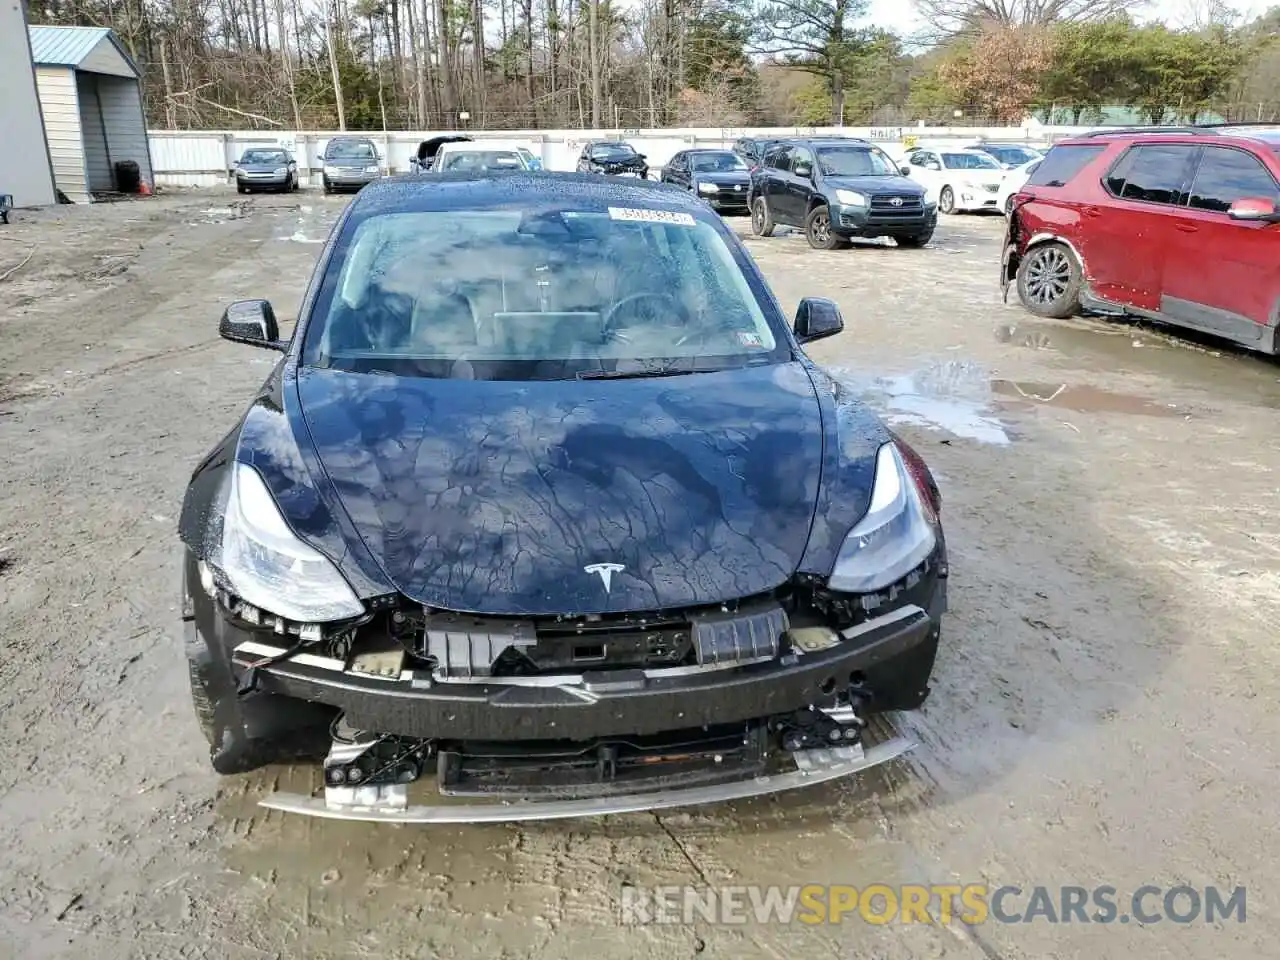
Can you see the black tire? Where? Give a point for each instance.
(328, 188)
(1008, 205)
(241, 188)
(1049, 281)
(947, 201)
(817, 230)
(761, 220)
(917, 240)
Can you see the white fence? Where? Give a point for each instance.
(204, 158)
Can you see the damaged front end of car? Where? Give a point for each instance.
(419, 714)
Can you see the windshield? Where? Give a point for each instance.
(264, 156)
(1013, 156)
(613, 151)
(350, 150)
(726, 162)
(469, 160)
(510, 294)
(969, 161)
(855, 162)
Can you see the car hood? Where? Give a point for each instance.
(898, 186)
(621, 163)
(979, 178)
(505, 498)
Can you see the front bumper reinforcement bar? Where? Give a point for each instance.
(388, 805)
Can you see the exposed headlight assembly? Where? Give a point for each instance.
(851, 197)
(268, 566)
(896, 535)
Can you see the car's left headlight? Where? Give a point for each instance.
(851, 197)
(708, 188)
(896, 535)
(269, 567)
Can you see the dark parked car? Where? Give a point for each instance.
(836, 189)
(544, 495)
(350, 163)
(266, 168)
(425, 156)
(753, 149)
(1008, 155)
(720, 177)
(614, 158)
(1180, 226)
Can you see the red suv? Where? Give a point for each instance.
(1178, 224)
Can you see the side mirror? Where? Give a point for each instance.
(803, 170)
(904, 170)
(252, 322)
(1255, 209)
(816, 318)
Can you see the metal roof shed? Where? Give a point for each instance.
(91, 97)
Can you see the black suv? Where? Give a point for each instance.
(836, 189)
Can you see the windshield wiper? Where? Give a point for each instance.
(635, 374)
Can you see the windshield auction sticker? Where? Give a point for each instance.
(651, 216)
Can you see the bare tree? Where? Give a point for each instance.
(954, 16)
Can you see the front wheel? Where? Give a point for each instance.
(241, 188)
(817, 230)
(761, 219)
(1049, 281)
(947, 200)
(328, 188)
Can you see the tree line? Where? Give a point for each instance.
(510, 64)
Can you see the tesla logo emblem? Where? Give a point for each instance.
(606, 572)
(896, 201)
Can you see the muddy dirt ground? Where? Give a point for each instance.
(1104, 708)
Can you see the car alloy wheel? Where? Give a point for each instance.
(761, 220)
(1048, 275)
(821, 229)
(947, 200)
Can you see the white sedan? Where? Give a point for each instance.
(956, 180)
(1015, 180)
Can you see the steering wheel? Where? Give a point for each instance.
(666, 298)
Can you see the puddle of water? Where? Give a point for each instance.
(954, 396)
(1083, 399)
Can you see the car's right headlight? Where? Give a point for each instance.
(895, 536)
(280, 170)
(708, 188)
(851, 197)
(268, 566)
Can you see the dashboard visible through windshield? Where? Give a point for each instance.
(549, 294)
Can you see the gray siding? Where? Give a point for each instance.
(25, 170)
(106, 58)
(126, 134)
(97, 156)
(57, 87)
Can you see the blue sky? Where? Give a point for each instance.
(899, 15)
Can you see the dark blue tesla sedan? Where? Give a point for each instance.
(544, 511)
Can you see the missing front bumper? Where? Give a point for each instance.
(389, 803)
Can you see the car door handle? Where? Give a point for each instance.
(1187, 227)
(1091, 211)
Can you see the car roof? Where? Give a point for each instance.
(1226, 133)
(460, 190)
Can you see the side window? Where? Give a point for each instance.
(781, 159)
(917, 159)
(801, 155)
(676, 163)
(1225, 175)
(1062, 163)
(1153, 173)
